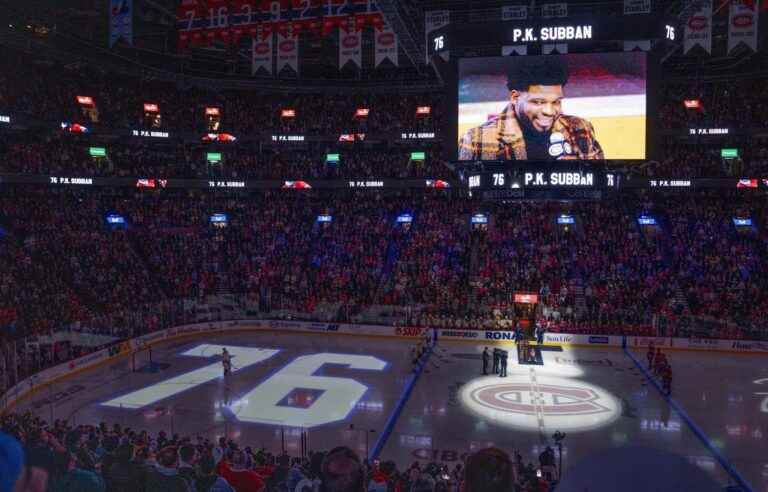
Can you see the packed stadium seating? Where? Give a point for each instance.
(119, 107)
(110, 457)
(47, 91)
(64, 269)
(605, 274)
(727, 103)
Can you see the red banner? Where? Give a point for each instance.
(375, 19)
(203, 22)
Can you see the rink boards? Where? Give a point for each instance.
(40, 380)
(586, 386)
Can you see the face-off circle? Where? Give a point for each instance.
(525, 402)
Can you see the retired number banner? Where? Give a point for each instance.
(742, 24)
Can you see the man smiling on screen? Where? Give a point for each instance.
(533, 125)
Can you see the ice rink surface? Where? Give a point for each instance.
(340, 390)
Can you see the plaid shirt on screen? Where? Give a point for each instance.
(501, 138)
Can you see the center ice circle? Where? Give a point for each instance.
(547, 402)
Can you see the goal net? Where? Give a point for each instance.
(141, 359)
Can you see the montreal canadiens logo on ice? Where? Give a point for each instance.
(520, 402)
(555, 400)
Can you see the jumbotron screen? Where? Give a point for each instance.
(553, 107)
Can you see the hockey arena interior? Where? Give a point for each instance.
(383, 246)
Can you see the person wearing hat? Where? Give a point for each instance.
(14, 475)
(11, 462)
(532, 125)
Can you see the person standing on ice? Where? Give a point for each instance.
(658, 361)
(650, 355)
(503, 372)
(540, 333)
(226, 362)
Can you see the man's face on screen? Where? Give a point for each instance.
(539, 106)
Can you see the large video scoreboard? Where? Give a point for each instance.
(543, 89)
(553, 107)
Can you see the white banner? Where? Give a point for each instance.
(261, 53)
(637, 7)
(742, 24)
(287, 51)
(434, 19)
(514, 12)
(485, 336)
(350, 46)
(550, 10)
(742, 346)
(645, 342)
(698, 30)
(385, 46)
(554, 49)
(643, 45)
(518, 49)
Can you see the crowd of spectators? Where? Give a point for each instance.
(297, 251)
(64, 268)
(101, 457)
(313, 164)
(735, 104)
(43, 93)
(524, 247)
(720, 268)
(63, 155)
(628, 281)
(693, 274)
(46, 91)
(432, 264)
(694, 159)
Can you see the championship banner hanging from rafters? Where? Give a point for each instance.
(200, 22)
(698, 30)
(350, 43)
(385, 46)
(742, 24)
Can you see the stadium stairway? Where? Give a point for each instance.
(681, 300)
(578, 228)
(395, 244)
(580, 301)
(473, 254)
(141, 253)
(392, 254)
(222, 284)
